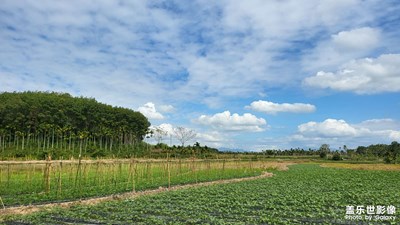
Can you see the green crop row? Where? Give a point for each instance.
(305, 194)
(22, 184)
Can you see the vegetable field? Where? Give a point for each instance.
(55, 181)
(305, 194)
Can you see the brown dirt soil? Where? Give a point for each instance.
(22, 210)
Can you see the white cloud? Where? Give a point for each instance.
(379, 124)
(165, 127)
(247, 38)
(363, 76)
(149, 110)
(169, 128)
(339, 132)
(187, 51)
(126, 53)
(214, 137)
(209, 138)
(167, 108)
(273, 108)
(235, 122)
(356, 39)
(271, 18)
(343, 47)
(395, 135)
(327, 128)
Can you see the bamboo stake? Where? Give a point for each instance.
(78, 172)
(2, 203)
(1, 174)
(134, 166)
(114, 174)
(47, 174)
(8, 175)
(169, 172)
(96, 177)
(60, 178)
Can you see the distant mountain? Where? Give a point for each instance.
(225, 149)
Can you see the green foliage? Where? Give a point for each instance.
(324, 150)
(53, 181)
(336, 156)
(305, 194)
(390, 153)
(361, 150)
(196, 151)
(57, 124)
(393, 152)
(323, 154)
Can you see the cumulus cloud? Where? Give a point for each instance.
(357, 39)
(167, 108)
(395, 135)
(340, 129)
(342, 47)
(363, 76)
(149, 110)
(211, 137)
(273, 108)
(183, 50)
(165, 127)
(194, 52)
(233, 122)
(379, 124)
(328, 128)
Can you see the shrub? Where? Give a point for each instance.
(336, 156)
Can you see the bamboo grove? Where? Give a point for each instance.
(43, 124)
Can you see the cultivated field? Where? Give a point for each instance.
(308, 194)
(23, 183)
(374, 166)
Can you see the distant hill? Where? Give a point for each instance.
(225, 149)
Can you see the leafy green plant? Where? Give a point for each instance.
(59, 181)
(305, 194)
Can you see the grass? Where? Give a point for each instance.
(35, 183)
(305, 194)
(363, 166)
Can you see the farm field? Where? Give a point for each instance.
(303, 194)
(55, 181)
(361, 166)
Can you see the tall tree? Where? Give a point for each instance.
(49, 122)
(184, 134)
(324, 150)
(158, 134)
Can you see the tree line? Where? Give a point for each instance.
(389, 153)
(44, 123)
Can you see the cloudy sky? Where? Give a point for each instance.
(243, 74)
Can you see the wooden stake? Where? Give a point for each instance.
(169, 172)
(47, 174)
(59, 178)
(133, 175)
(2, 203)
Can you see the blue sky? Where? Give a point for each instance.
(246, 75)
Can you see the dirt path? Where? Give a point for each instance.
(20, 210)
